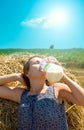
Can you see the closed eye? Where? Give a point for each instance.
(37, 62)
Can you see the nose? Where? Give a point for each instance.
(40, 68)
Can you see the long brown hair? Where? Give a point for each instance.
(25, 72)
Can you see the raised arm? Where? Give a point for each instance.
(71, 90)
(6, 92)
(76, 90)
(8, 78)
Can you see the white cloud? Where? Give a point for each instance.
(33, 22)
(42, 22)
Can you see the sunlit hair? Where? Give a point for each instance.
(25, 72)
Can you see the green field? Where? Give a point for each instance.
(69, 57)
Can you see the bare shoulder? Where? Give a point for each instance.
(11, 93)
(61, 90)
(62, 87)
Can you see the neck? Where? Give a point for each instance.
(38, 87)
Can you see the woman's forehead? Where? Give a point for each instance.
(36, 59)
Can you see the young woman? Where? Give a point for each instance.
(41, 106)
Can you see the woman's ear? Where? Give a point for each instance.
(26, 80)
(27, 75)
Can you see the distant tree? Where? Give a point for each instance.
(51, 46)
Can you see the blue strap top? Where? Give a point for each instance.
(41, 112)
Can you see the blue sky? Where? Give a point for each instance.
(41, 23)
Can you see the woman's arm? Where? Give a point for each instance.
(11, 93)
(76, 90)
(10, 78)
(70, 91)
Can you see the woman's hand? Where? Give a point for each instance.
(20, 78)
(51, 59)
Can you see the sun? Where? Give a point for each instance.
(58, 18)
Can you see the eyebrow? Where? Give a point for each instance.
(37, 61)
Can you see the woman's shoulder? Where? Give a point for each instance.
(11, 93)
(60, 89)
(61, 86)
(17, 93)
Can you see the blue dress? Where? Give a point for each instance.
(41, 112)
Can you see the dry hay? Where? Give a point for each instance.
(8, 109)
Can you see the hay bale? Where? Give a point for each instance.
(8, 109)
(8, 115)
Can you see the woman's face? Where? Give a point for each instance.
(34, 69)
